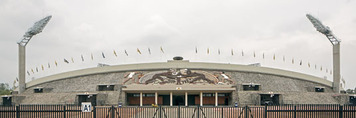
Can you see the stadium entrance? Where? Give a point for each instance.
(269, 99)
(87, 98)
(6, 100)
(179, 99)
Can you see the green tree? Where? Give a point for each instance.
(5, 89)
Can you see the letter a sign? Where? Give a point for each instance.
(86, 107)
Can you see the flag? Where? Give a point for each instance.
(207, 51)
(49, 66)
(149, 51)
(126, 53)
(293, 61)
(219, 51)
(28, 73)
(254, 54)
(82, 57)
(55, 62)
(321, 68)
(232, 52)
(263, 55)
(308, 64)
(65, 60)
(42, 67)
(162, 50)
(115, 53)
(36, 69)
(33, 72)
(91, 56)
(274, 56)
(196, 50)
(14, 83)
(138, 50)
(315, 66)
(72, 60)
(17, 79)
(284, 59)
(326, 70)
(301, 62)
(242, 53)
(102, 54)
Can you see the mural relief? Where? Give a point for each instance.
(177, 77)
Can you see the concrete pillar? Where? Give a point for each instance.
(186, 99)
(141, 99)
(336, 68)
(216, 98)
(22, 68)
(156, 98)
(170, 99)
(201, 98)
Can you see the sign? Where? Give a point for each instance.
(86, 107)
(119, 105)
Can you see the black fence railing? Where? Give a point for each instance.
(281, 111)
(311, 111)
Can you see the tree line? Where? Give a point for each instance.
(5, 89)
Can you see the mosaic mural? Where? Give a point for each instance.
(177, 77)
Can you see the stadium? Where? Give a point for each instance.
(179, 82)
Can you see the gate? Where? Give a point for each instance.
(181, 112)
(283, 111)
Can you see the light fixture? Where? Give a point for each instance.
(35, 29)
(336, 49)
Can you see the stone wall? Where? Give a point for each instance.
(291, 90)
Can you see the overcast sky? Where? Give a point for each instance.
(85, 27)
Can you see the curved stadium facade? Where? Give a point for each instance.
(180, 82)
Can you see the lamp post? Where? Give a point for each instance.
(336, 50)
(35, 29)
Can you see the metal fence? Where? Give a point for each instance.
(281, 111)
(311, 111)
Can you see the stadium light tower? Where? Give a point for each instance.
(336, 49)
(35, 29)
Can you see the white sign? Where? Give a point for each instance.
(86, 107)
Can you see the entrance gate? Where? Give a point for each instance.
(187, 112)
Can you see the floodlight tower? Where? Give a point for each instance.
(336, 50)
(35, 29)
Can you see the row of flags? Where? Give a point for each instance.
(71, 60)
(263, 56)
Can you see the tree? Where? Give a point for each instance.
(349, 91)
(5, 89)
